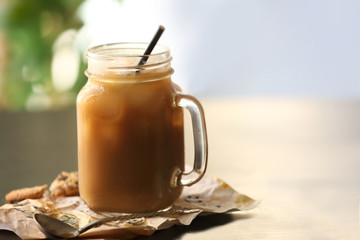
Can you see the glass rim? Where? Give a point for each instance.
(97, 52)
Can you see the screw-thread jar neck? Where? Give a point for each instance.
(119, 61)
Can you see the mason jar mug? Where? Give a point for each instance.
(131, 131)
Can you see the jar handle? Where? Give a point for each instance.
(200, 140)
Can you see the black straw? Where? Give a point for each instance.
(151, 46)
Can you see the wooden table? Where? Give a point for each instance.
(300, 157)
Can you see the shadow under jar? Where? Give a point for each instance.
(131, 133)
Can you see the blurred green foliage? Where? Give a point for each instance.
(30, 28)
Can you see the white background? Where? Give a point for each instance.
(247, 48)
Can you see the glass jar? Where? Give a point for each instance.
(131, 131)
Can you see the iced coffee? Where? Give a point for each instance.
(130, 131)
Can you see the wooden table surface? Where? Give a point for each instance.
(300, 157)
